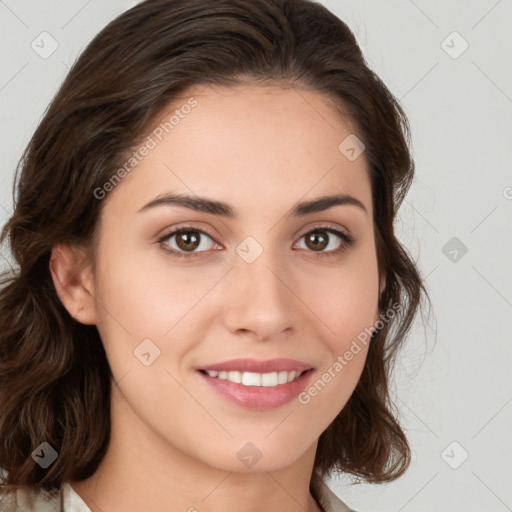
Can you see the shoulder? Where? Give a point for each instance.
(30, 499)
(330, 501)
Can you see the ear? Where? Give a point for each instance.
(72, 278)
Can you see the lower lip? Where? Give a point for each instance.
(259, 397)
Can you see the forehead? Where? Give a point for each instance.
(248, 146)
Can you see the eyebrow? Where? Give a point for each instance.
(205, 205)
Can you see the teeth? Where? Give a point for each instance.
(251, 379)
(291, 376)
(269, 379)
(282, 377)
(256, 379)
(235, 377)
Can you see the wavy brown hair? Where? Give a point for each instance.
(55, 380)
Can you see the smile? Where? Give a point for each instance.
(257, 384)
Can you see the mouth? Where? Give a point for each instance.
(257, 384)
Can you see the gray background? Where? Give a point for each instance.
(453, 379)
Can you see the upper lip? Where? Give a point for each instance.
(258, 365)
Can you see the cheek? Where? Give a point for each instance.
(346, 305)
(348, 310)
(148, 300)
(139, 301)
(345, 300)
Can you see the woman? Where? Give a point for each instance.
(209, 293)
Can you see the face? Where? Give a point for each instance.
(242, 280)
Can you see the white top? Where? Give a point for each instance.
(66, 499)
(72, 501)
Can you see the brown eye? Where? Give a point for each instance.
(326, 241)
(317, 240)
(186, 240)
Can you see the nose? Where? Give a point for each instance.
(260, 300)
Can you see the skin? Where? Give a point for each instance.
(174, 440)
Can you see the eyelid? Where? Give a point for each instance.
(329, 227)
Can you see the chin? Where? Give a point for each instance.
(257, 456)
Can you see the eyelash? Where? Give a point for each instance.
(348, 241)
